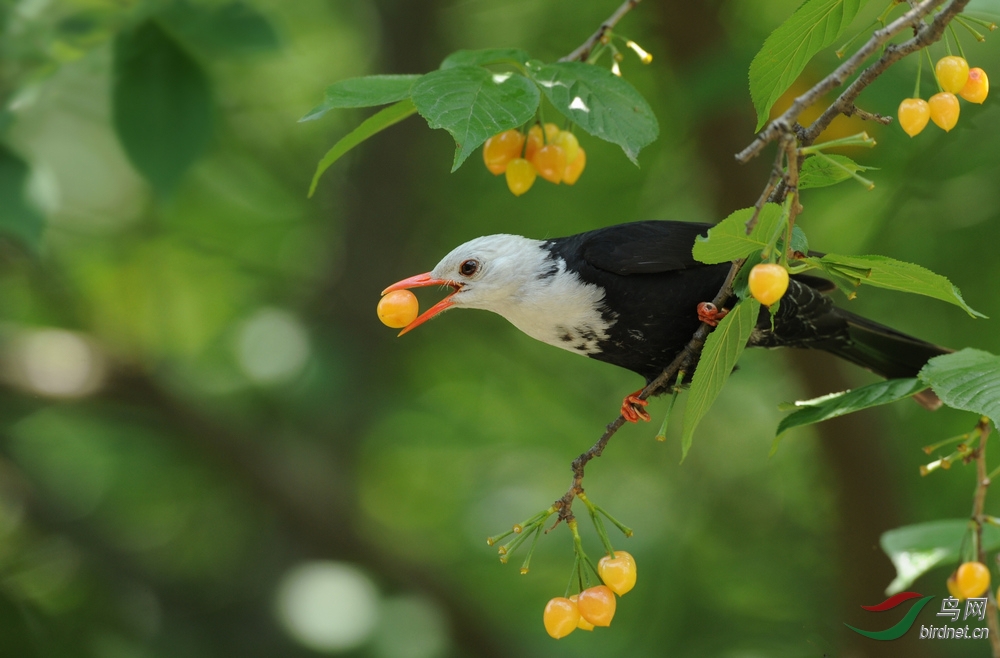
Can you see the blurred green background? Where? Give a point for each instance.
(210, 447)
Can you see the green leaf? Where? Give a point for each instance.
(728, 240)
(474, 104)
(485, 57)
(814, 26)
(916, 549)
(374, 124)
(232, 29)
(885, 272)
(819, 172)
(17, 219)
(718, 358)
(741, 284)
(601, 103)
(162, 105)
(846, 402)
(967, 380)
(363, 92)
(800, 243)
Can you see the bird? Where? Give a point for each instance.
(632, 295)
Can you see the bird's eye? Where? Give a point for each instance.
(469, 267)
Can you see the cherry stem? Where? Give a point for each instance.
(596, 55)
(944, 462)
(537, 532)
(627, 531)
(541, 119)
(490, 541)
(989, 25)
(573, 575)
(954, 34)
(598, 523)
(940, 444)
(931, 62)
(976, 34)
(523, 531)
(581, 555)
(920, 69)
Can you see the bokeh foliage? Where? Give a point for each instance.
(239, 411)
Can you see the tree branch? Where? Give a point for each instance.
(777, 174)
(583, 51)
(855, 111)
(924, 37)
(682, 361)
(979, 502)
(844, 104)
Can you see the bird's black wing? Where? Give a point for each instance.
(641, 247)
(651, 247)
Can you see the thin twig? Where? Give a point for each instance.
(777, 170)
(582, 52)
(979, 502)
(924, 36)
(864, 115)
(791, 181)
(682, 361)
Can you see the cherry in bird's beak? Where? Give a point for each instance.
(422, 281)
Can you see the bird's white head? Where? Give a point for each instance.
(486, 273)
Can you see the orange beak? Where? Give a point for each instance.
(422, 281)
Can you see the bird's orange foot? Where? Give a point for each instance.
(633, 408)
(710, 314)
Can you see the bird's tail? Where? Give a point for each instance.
(887, 352)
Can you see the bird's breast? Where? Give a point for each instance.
(562, 310)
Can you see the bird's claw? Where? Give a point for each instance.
(711, 314)
(633, 408)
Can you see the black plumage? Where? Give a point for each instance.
(652, 286)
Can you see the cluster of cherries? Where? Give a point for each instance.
(954, 77)
(769, 281)
(969, 581)
(594, 606)
(553, 154)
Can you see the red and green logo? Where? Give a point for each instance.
(899, 629)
